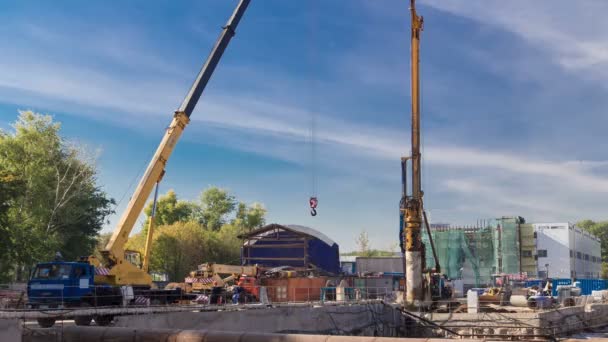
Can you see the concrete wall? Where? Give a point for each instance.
(557, 322)
(114, 334)
(10, 330)
(352, 320)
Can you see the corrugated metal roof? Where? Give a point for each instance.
(312, 232)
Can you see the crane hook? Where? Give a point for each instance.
(313, 206)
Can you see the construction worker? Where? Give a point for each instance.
(236, 292)
(216, 294)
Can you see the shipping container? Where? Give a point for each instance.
(294, 289)
(556, 282)
(587, 285)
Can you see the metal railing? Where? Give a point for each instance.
(48, 297)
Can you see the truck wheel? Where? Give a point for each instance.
(46, 322)
(83, 320)
(103, 320)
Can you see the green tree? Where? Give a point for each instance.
(363, 245)
(216, 205)
(60, 207)
(599, 229)
(186, 238)
(177, 249)
(250, 217)
(102, 242)
(170, 210)
(10, 189)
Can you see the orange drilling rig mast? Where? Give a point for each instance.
(411, 206)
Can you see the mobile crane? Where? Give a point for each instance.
(115, 280)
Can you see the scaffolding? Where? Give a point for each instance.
(476, 253)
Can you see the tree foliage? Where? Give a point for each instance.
(55, 204)
(364, 248)
(216, 205)
(250, 217)
(170, 210)
(363, 245)
(599, 229)
(190, 233)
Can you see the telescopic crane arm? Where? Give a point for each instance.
(124, 272)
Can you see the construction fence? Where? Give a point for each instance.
(17, 299)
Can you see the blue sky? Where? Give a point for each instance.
(513, 103)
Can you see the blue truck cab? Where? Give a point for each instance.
(61, 284)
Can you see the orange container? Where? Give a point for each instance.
(294, 289)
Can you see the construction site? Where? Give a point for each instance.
(502, 278)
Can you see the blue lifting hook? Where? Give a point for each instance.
(313, 206)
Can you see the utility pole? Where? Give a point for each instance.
(414, 294)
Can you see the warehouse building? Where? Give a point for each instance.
(276, 245)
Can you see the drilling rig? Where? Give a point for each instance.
(417, 287)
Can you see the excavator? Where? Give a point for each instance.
(118, 278)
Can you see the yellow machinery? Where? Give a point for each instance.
(207, 273)
(122, 272)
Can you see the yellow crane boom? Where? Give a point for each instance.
(121, 271)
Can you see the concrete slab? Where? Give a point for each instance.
(343, 320)
(10, 330)
(116, 334)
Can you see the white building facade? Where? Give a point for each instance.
(565, 251)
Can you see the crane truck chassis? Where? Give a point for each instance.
(113, 280)
(65, 285)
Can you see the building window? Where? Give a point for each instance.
(571, 253)
(526, 254)
(542, 253)
(572, 274)
(593, 259)
(579, 255)
(586, 257)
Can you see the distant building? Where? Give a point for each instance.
(565, 251)
(509, 245)
(348, 264)
(383, 265)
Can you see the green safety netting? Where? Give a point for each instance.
(475, 254)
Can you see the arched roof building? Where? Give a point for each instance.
(276, 245)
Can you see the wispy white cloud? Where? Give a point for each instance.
(572, 32)
(268, 121)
